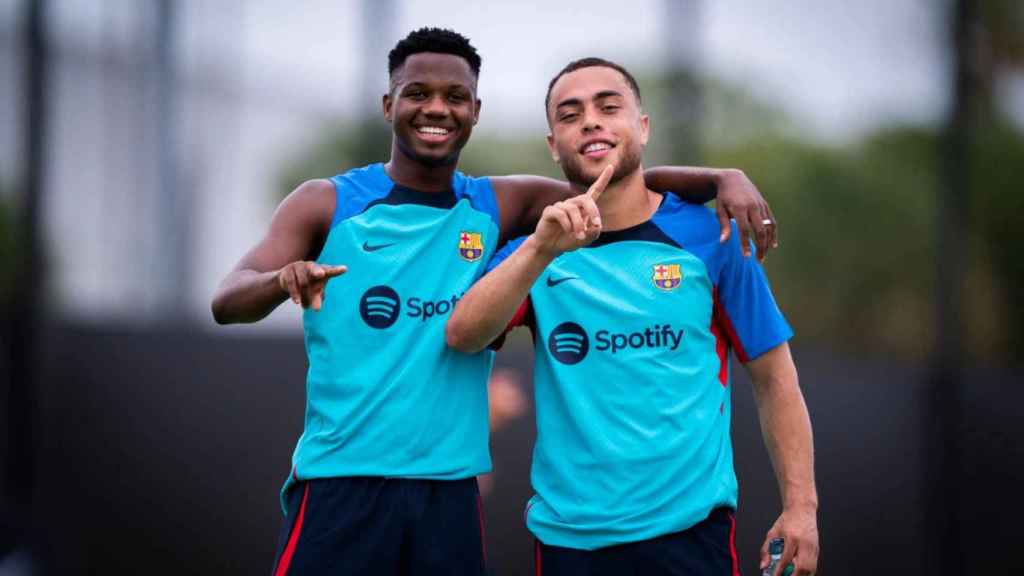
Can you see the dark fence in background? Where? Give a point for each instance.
(164, 453)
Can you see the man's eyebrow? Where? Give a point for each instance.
(607, 94)
(569, 102)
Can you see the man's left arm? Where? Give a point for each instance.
(735, 197)
(786, 427)
(522, 199)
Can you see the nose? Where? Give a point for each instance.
(591, 121)
(435, 107)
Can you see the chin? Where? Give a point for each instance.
(434, 159)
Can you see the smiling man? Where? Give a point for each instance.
(383, 477)
(633, 325)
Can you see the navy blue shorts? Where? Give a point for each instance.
(382, 526)
(706, 549)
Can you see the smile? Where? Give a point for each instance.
(433, 130)
(597, 149)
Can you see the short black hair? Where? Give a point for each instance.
(438, 40)
(590, 62)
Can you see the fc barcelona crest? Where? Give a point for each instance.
(667, 276)
(471, 246)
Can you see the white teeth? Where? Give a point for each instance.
(432, 130)
(596, 146)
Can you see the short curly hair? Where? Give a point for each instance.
(590, 63)
(438, 40)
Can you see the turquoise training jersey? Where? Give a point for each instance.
(385, 396)
(633, 335)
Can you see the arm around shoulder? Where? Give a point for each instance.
(297, 230)
(522, 199)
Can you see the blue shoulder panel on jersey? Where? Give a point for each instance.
(479, 192)
(752, 317)
(694, 228)
(360, 189)
(504, 252)
(357, 188)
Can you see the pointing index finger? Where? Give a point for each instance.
(597, 188)
(333, 271)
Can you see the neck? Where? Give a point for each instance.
(416, 175)
(627, 202)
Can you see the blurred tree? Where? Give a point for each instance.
(856, 244)
(1001, 36)
(995, 43)
(340, 149)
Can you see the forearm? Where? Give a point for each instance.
(247, 296)
(786, 427)
(484, 312)
(694, 184)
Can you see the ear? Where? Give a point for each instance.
(386, 105)
(552, 148)
(476, 111)
(645, 129)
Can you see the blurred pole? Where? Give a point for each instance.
(947, 368)
(683, 105)
(174, 215)
(378, 36)
(30, 286)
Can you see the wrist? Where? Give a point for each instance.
(276, 276)
(723, 175)
(534, 249)
(806, 504)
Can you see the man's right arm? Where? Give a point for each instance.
(484, 312)
(281, 264)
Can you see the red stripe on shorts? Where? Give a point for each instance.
(483, 532)
(732, 545)
(293, 540)
(536, 555)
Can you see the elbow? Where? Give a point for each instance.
(457, 338)
(219, 310)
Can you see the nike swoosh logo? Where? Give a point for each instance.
(373, 248)
(552, 283)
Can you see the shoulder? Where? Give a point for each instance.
(686, 223)
(522, 199)
(371, 177)
(312, 196)
(472, 186)
(479, 191)
(530, 187)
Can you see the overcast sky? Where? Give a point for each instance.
(838, 67)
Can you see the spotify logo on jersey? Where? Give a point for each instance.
(380, 307)
(568, 343)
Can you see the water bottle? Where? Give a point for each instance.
(775, 548)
